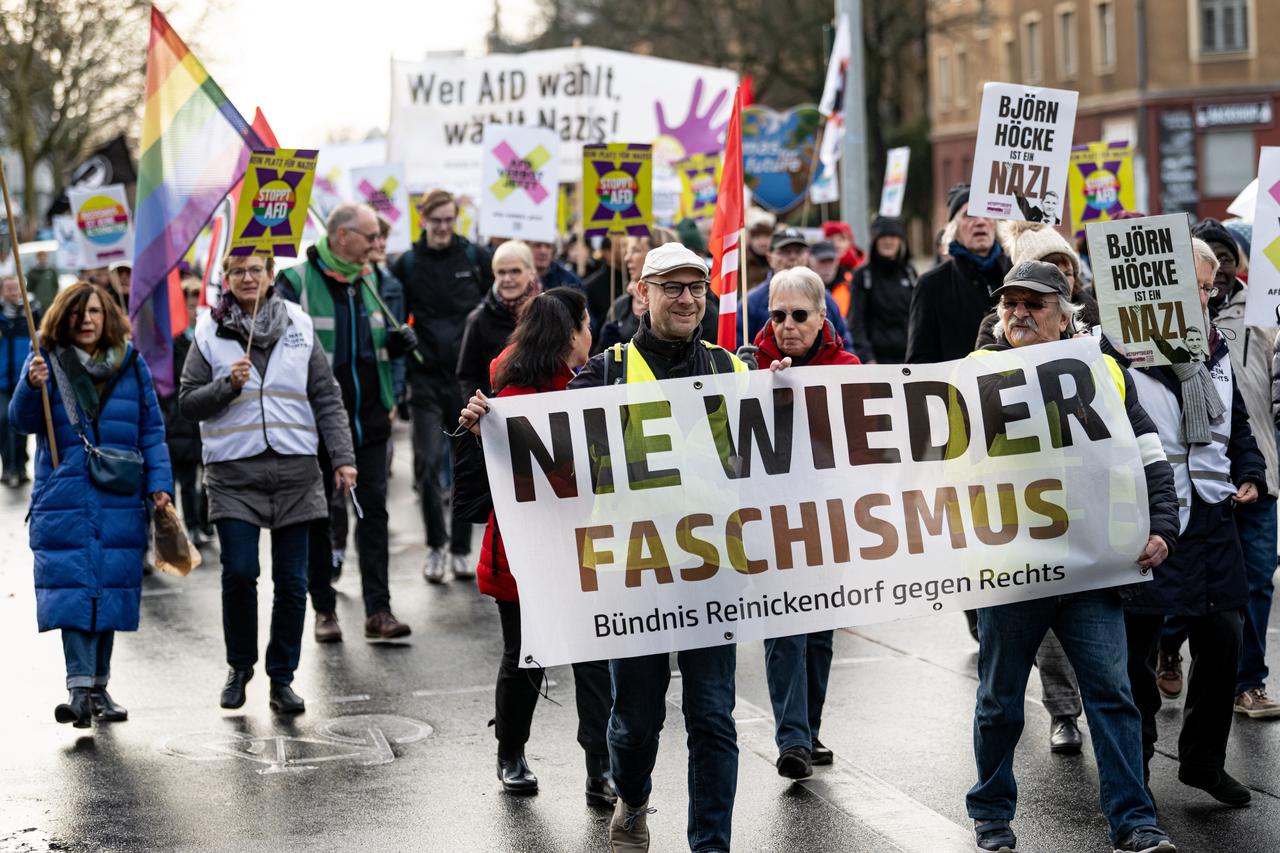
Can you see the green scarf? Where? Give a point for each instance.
(332, 263)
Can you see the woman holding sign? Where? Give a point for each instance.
(259, 383)
(550, 342)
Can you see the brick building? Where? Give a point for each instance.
(1191, 83)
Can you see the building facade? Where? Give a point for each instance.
(1190, 83)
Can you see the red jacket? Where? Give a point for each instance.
(830, 350)
(493, 576)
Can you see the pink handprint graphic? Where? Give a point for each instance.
(697, 134)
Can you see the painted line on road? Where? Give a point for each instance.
(357, 697)
(462, 691)
(857, 660)
(151, 593)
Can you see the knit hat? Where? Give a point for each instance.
(1212, 231)
(831, 228)
(1243, 232)
(759, 220)
(957, 197)
(1035, 241)
(689, 234)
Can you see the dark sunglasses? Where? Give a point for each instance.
(780, 317)
(1031, 305)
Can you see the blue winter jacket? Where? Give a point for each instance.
(15, 345)
(89, 544)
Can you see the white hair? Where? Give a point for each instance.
(516, 251)
(802, 280)
(1204, 254)
(344, 215)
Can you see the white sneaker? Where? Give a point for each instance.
(460, 565)
(433, 571)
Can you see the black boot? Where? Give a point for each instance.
(600, 792)
(77, 710)
(284, 701)
(105, 708)
(233, 692)
(516, 776)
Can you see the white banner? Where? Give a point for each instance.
(520, 197)
(895, 181)
(812, 499)
(104, 225)
(1144, 277)
(1263, 305)
(1023, 152)
(439, 108)
(65, 232)
(333, 172)
(384, 189)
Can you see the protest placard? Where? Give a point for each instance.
(1263, 305)
(759, 505)
(384, 189)
(333, 183)
(1144, 277)
(1099, 183)
(273, 202)
(518, 188)
(895, 181)
(1023, 152)
(104, 226)
(616, 189)
(700, 185)
(67, 235)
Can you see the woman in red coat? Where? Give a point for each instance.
(551, 341)
(799, 334)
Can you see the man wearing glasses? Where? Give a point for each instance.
(673, 282)
(444, 276)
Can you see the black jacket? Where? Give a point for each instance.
(947, 306)
(180, 433)
(441, 287)
(601, 285)
(879, 305)
(667, 359)
(488, 328)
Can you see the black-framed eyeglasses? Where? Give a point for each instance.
(368, 237)
(1210, 291)
(1031, 305)
(780, 317)
(673, 289)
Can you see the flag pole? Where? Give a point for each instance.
(742, 285)
(813, 167)
(26, 308)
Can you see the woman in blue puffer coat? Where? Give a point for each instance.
(89, 542)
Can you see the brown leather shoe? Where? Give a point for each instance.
(1169, 674)
(327, 628)
(384, 626)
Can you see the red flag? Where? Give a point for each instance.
(748, 90)
(726, 229)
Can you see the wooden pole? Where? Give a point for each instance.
(742, 286)
(26, 307)
(813, 167)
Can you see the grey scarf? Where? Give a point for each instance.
(268, 324)
(1200, 402)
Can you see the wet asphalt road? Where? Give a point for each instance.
(394, 752)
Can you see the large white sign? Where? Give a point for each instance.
(104, 225)
(440, 107)
(333, 172)
(671, 515)
(384, 189)
(895, 181)
(1263, 305)
(520, 197)
(1023, 153)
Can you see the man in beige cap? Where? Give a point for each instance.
(674, 282)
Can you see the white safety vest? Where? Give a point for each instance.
(1203, 466)
(272, 412)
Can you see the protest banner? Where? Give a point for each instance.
(758, 505)
(1144, 277)
(333, 184)
(587, 95)
(104, 227)
(273, 202)
(1099, 183)
(895, 181)
(567, 208)
(384, 189)
(1263, 306)
(700, 185)
(778, 154)
(67, 235)
(1022, 153)
(518, 190)
(616, 190)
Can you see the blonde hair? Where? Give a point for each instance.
(803, 280)
(1204, 254)
(514, 250)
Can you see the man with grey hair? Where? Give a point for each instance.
(1034, 307)
(338, 288)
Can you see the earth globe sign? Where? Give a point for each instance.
(273, 203)
(1101, 190)
(102, 220)
(617, 190)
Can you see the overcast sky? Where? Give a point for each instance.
(323, 67)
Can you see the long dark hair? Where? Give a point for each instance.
(540, 342)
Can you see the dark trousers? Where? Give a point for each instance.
(1211, 684)
(435, 410)
(191, 496)
(517, 694)
(371, 535)
(797, 669)
(13, 445)
(239, 543)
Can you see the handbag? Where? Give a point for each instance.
(111, 469)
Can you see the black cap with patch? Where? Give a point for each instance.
(1038, 276)
(787, 237)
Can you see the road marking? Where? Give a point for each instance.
(462, 691)
(358, 697)
(151, 593)
(854, 661)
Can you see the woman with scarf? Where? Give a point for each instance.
(89, 533)
(881, 298)
(515, 283)
(551, 340)
(260, 385)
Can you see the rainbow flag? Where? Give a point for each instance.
(195, 146)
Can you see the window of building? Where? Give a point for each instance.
(1008, 58)
(944, 81)
(947, 180)
(1228, 164)
(1104, 35)
(962, 76)
(1224, 26)
(1032, 50)
(1067, 44)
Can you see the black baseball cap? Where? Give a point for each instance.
(1038, 276)
(823, 250)
(787, 237)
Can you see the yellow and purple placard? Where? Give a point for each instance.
(1099, 183)
(699, 185)
(617, 189)
(273, 203)
(104, 228)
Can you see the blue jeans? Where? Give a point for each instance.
(797, 669)
(639, 708)
(239, 543)
(1090, 626)
(88, 656)
(1257, 525)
